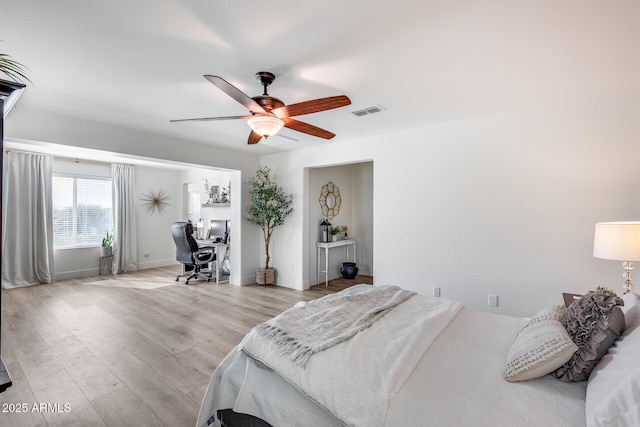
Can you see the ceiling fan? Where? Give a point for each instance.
(269, 114)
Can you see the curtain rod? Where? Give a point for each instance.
(74, 159)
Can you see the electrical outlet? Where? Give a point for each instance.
(436, 291)
(492, 301)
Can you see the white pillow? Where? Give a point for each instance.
(631, 309)
(613, 390)
(622, 406)
(542, 346)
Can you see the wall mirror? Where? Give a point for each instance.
(330, 200)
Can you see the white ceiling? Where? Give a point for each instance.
(140, 63)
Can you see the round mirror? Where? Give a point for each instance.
(330, 200)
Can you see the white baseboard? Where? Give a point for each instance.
(242, 280)
(154, 264)
(78, 274)
(291, 284)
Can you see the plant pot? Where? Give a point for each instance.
(334, 238)
(106, 251)
(265, 276)
(349, 270)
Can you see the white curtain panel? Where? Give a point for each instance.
(125, 247)
(27, 228)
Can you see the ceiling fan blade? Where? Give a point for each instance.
(307, 128)
(206, 119)
(235, 93)
(313, 106)
(254, 138)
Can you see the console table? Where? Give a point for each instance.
(328, 245)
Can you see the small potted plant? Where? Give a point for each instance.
(344, 229)
(335, 232)
(106, 248)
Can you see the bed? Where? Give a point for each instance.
(408, 368)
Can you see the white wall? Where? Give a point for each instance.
(362, 219)
(38, 127)
(504, 204)
(155, 242)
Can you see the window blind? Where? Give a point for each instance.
(82, 211)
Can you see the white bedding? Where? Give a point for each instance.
(457, 382)
(378, 358)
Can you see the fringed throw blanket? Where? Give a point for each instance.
(307, 328)
(357, 379)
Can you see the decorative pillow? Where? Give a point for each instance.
(594, 322)
(540, 347)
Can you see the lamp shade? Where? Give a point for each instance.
(617, 240)
(265, 125)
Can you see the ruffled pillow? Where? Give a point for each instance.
(594, 322)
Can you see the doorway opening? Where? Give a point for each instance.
(354, 182)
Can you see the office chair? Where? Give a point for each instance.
(189, 254)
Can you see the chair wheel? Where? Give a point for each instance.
(209, 279)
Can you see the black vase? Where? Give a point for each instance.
(349, 270)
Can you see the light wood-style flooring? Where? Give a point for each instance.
(88, 355)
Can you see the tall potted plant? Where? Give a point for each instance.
(268, 209)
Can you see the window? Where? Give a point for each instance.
(82, 211)
(195, 206)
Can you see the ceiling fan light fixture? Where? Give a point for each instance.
(269, 114)
(265, 125)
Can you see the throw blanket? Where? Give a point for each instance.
(357, 379)
(308, 328)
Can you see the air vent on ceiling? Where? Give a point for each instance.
(367, 111)
(277, 139)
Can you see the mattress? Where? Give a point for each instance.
(457, 382)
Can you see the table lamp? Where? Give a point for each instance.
(619, 241)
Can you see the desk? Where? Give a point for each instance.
(328, 245)
(220, 249)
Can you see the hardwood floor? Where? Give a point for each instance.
(117, 355)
